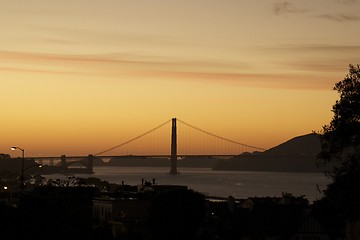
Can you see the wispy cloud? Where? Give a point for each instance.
(279, 80)
(340, 17)
(71, 58)
(122, 66)
(314, 47)
(342, 10)
(347, 1)
(39, 71)
(107, 64)
(313, 59)
(332, 66)
(286, 7)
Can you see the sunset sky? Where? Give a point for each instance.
(78, 77)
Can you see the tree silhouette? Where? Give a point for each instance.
(340, 140)
(340, 155)
(4, 156)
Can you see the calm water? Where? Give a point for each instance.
(239, 184)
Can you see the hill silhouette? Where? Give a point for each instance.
(308, 144)
(295, 155)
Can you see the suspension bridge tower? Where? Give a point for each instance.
(173, 158)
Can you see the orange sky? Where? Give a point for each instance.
(78, 77)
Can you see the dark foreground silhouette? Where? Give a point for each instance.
(152, 211)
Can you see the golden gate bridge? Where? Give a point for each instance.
(162, 141)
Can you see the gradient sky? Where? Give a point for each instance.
(78, 77)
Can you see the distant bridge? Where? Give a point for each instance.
(196, 142)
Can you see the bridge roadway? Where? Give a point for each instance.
(87, 161)
(135, 156)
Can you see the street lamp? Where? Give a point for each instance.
(6, 188)
(22, 166)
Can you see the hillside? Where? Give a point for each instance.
(295, 155)
(302, 145)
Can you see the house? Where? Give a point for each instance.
(273, 218)
(310, 229)
(127, 213)
(122, 215)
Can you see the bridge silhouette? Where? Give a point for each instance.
(194, 141)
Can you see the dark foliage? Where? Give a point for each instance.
(340, 140)
(57, 213)
(177, 214)
(340, 155)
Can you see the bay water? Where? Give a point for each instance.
(238, 184)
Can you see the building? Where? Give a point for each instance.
(127, 213)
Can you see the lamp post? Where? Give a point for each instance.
(22, 167)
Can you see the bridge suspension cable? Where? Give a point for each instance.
(219, 137)
(131, 140)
